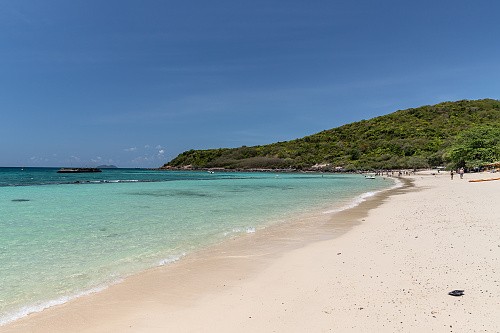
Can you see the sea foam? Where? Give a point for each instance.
(171, 259)
(363, 197)
(39, 307)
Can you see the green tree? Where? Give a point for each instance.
(475, 147)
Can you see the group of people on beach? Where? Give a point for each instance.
(459, 171)
(391, 173)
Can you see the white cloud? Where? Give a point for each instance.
(148, 155)
(141, 160)
(39, 160)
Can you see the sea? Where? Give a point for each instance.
(67, 235)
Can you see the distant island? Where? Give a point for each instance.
(464, 133)
(107, 167)
(78, 170)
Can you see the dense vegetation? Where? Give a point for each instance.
(462, 133)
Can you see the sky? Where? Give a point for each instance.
(135, 83)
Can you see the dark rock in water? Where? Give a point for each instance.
(456, 293)
(20, 200)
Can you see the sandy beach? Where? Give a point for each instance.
(386, 265)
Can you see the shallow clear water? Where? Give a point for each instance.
(66, 235)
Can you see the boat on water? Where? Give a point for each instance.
(78, 170)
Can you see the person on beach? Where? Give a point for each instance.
(451, 174)
(461, 173)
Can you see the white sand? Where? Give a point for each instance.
(391, 273)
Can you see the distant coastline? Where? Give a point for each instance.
(78, 170)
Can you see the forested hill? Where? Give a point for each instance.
(414, 138)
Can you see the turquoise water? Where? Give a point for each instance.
(63, 235)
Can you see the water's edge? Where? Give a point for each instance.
(302, 231)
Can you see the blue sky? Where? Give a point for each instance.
(134, 83)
